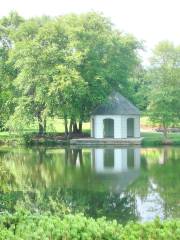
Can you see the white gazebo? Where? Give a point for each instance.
(117, 118)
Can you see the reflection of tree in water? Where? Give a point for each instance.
(114, 206)
(73, 157)
(7, 182)
(40, 168)
(95, 199)
(6, 178)
(119, 206)
(162, 168)
(167, 178)
(66, 177)
(140, 186)
(32, 168)
(41, 151)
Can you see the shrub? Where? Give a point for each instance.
(25, 225)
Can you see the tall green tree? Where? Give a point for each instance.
(3, 58)
(106, 58)
(109, 58)
(68, 65)
(30, 82)
(7, 73)
(164, 104)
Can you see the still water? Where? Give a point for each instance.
(119, 183)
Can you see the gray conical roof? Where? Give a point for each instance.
(116, 104)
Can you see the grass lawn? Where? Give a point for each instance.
(8, 135)
(156, 138)
(57, 126)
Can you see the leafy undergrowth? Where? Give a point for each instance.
(25, 225)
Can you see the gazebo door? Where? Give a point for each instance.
(130, 127)
(108, 128)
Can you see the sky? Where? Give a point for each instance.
(150, 21)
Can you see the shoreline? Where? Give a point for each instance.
(147, 139)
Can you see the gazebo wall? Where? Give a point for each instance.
(124, 119)
(98, 127)
(120, 125)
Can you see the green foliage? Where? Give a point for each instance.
(64, 66)
(12, 21)
(24, 225)
(164, 92)
(28, 138)
(139, 88)
(6, 74)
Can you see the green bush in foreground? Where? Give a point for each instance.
(34, 226)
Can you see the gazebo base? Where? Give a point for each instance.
(106, 141)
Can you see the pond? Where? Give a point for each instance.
(119, 183)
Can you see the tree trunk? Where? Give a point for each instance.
(80, 126)
(165, 131)
(66, 126)
(45, 124)
(75, 128)
(41, 125)
(70, 128)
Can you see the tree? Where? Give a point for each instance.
(3, 58)
(164, 93)
(31, 82)
(67, 91)
(7, 73)
(68, 65)
(110, 59)
(106, 58)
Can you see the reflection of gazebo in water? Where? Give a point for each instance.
(100, 177)
(109, 168)
(119, 166)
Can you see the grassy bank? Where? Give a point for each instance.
(10, 138)
(149, 139)
(157, 139)
(55, 130)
